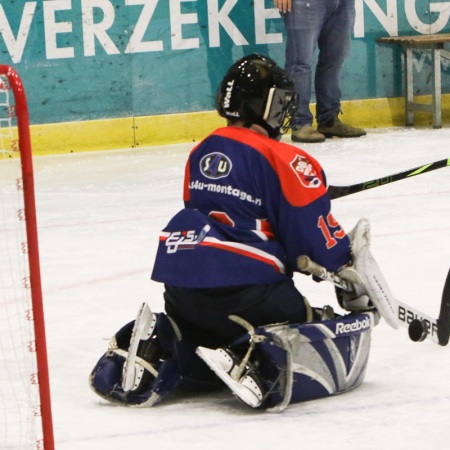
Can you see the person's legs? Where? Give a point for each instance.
(202, 314)
(334, 47)
(303, 24)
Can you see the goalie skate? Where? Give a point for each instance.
(134, 367)
(225, 365)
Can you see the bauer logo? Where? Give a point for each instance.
(407, 316)
(305, 172)
(357, 325)
(215, 166)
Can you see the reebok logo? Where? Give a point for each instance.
(358, 325)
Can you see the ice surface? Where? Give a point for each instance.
(99, 217)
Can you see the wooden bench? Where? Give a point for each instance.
(435, 44)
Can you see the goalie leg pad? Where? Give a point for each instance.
(105, 380)
(309, 361)
(162, 363)
(155, 371)
(297, 362)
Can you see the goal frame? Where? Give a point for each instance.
(24, 147)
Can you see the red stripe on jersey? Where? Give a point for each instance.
(263, 226)
(247, 251)
(187, 177)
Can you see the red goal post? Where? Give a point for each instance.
(21, 282)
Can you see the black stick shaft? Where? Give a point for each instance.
(444, 314)
(342, 191)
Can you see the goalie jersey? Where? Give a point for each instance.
(252, 206)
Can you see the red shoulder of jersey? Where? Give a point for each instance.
(187, 175)
(301, 176)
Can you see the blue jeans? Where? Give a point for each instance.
(326, 24)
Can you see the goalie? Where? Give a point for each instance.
(253, 204)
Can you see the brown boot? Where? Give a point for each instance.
(339, 129)
(306, 133)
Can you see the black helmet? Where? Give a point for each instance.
(257, 91)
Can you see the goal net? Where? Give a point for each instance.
(25, 409)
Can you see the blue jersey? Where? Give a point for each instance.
(252, 206)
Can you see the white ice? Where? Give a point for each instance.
(99, 217)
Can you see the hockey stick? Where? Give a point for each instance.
(443, 322)
(420, 326)
(342, 191)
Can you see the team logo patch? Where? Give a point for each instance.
(305, 172)
(215, 165)
(184, 240)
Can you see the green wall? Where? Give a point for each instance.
(98, 59)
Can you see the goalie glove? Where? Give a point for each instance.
(357, 300)
(370, 286)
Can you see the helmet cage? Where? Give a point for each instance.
(281, 105)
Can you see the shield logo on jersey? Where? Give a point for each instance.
(215, 165)
(305, 172)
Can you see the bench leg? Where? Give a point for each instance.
(409, 87)
(436, 86)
